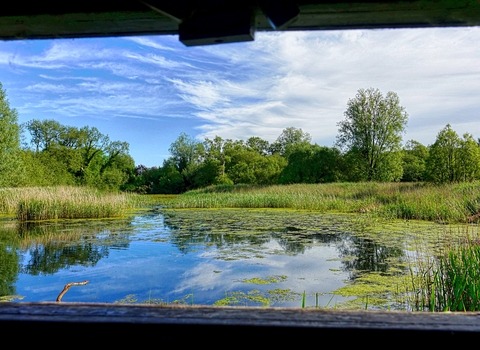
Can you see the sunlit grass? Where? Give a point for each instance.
(63, 202)
(419, 201)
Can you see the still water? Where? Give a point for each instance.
(221, 257)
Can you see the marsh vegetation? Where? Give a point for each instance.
(250, 204)
(63, 202)
(447, 203)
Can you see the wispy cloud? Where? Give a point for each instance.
(300, 79)
(154, 44)
(308, 77)
(153, 59)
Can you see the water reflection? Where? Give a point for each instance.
(369, 256)
(169, 254)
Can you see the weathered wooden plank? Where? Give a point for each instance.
(146, 323)
(54, 19)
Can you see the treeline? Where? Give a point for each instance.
(368, 148)
(66, 155)
(292, 158)
(56, 154)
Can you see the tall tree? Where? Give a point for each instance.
(218, 154)
(453, 159)
(10, 161)
(290, 137)
(185, 150)
(442, 161)
(44, 133)
(413, 161)
(259, 145)
(87, 154)
(372, 133)
(469, 159)
(311, 164)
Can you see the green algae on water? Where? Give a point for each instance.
(257, 298)
(266, 280)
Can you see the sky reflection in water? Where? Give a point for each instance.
(194, 256)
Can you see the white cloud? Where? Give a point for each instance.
(282, 79)
(144, 41)
(156, 60)
(305, 79)
(202, 94)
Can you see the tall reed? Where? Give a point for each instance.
(36, 203)
(451, 280)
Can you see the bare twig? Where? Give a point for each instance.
(67, 287)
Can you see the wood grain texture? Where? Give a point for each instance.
(70, 19)
(195, 325)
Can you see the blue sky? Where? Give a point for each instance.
(147, 90)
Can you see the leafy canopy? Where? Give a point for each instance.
(372, 133)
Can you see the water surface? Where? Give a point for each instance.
(212, 257)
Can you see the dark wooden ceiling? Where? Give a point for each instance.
(95, 18)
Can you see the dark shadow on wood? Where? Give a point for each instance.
(220, 327)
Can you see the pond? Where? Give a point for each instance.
(274, 257)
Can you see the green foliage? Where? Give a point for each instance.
(259, 145)
(469, 159)
(185, 151)
(62, 153)
(311, 164)
(44, 169)
(413, 161)
(371, 133)
(453, 159)
(289, 138)
(170, 181)
(249, 167)
(443, 157)
(11, 170)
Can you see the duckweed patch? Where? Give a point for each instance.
(132, 299)
(10, 298)
(378, 290)
(266, 280)
(367, 260)
(257, 298)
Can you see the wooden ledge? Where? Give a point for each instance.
(195, 325)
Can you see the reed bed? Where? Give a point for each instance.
(420, 201)
(451, 280)
(63, 202)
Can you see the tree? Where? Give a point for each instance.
(87, 154)
(259, 145)
(44, 133)
(10, 161)
(413, 161)
(453, 159)
(217, 152)
(185, 151)
(372, 134)
(469, 160)
(311, 164)
(290, 137)
(443, 156)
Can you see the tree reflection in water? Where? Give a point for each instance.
(185, 248)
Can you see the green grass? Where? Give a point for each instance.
(410, 201)
(63, 202)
